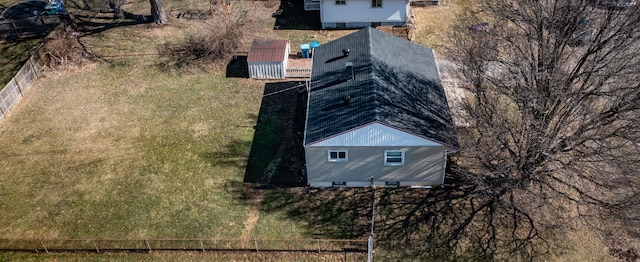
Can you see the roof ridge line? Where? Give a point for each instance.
(372, 75)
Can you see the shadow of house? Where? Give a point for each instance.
(277, 155)
(291, 15)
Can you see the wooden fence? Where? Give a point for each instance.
(194, 244)
(13, 91)
(298, 72)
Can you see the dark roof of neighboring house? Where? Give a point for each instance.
(395, 82)
(265, 50)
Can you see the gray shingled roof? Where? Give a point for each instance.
(395, 82)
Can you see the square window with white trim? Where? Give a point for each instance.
(393, 158)
(338, 156)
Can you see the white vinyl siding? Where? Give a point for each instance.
(361, 14)
(375, 135)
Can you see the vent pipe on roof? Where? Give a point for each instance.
(345, 52)
(349, 70)
(346, 99)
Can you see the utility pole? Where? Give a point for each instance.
(373, 218)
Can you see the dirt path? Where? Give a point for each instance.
(252, 216)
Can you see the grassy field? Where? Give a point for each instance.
(130, 148)
(124, 150)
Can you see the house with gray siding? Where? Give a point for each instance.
(376, 110)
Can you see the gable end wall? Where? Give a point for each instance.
(423, 166)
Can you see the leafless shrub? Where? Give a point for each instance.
(60, 48)
(214, 44)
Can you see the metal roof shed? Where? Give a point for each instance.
(268, 59)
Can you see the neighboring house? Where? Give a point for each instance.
(267, 59)
(360, 13)
(376, 109)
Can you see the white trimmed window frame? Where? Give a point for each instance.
(391, 158)
(337, 157)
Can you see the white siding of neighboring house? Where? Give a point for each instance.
(359, 13)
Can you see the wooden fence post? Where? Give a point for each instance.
(148, 246)
(95, 246)
(18, 85)
(45, 248)
(256, 243)
(33, 68)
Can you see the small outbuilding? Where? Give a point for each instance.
(267, 59)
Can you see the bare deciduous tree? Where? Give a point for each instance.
(553, 103)
(157, 12)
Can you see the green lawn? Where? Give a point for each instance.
(125, 150)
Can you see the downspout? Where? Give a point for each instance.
(444, 167)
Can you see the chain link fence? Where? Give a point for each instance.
(197, 244)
